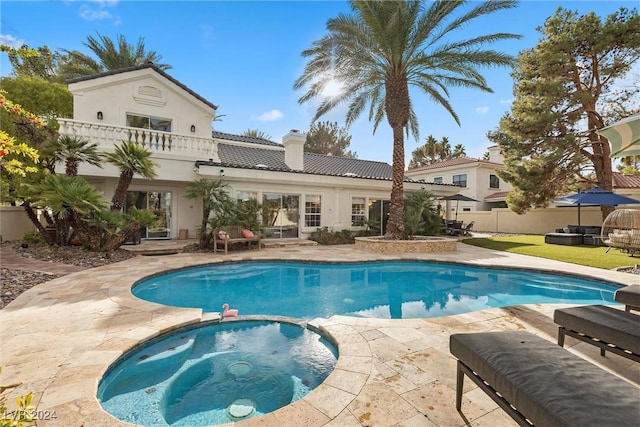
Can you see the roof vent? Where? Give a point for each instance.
(350, 174)
(262, 166)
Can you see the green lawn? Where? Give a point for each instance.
(593, 256)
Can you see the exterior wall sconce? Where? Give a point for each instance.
(193, 128)
(99, 115)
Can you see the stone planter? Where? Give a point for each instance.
(421, 244)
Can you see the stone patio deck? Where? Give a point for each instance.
(58, 338)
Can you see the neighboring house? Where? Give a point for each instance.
(477, 179)
(302, 191)
(627, 185)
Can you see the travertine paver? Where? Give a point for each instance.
(60, 337)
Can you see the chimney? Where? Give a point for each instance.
(495, 155)
(294, 149)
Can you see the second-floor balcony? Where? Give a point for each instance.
(165, 144)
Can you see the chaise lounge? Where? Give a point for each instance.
(536, 382)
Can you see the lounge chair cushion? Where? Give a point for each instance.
(606, 323)
(549, 385)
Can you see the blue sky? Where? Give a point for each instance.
(245, 55)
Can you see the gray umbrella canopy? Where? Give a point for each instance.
(459, 197)
(596, 196)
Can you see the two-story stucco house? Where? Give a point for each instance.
(477, 179)
(146, 105)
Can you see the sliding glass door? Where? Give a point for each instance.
(280, 215)
(159, 203)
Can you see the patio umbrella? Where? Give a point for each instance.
(596, 196)
(458, 197)
(623, 136)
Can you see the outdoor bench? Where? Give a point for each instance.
(235, 234)
(533, 379)
(610, 329)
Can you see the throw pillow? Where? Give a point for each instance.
(223, 235)
(247, 234)
(566, 229)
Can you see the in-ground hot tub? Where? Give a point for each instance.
(213, 373)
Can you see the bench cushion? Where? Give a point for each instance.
(547, 384)
(598, 321)
(629, 295)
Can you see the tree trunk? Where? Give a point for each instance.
(34, 219)
(121, 190)
(397, 107)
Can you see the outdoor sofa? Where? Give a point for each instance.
(575, 235)
(533, 379)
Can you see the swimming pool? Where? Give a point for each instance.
(216, 373)
(385, 289)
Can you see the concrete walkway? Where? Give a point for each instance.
(59, 338)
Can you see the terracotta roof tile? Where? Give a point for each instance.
(455, 161)
(625, 181)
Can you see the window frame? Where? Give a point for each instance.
(493, 177)
(453, 180)
(312, 211)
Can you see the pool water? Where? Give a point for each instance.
(396, 290)
(216, 374)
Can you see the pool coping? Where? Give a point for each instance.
(60, 337)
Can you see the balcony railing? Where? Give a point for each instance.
(167, 143)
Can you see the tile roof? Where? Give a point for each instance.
(455, 161)
(497, 195)
(142, 67)
(241, 138)
(625, 181)
(244, 157)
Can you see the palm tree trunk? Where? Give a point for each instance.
(395, 225)
(121, 190)
(397, 107)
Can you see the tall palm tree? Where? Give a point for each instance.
(131, 159)
(381, 49)
(73, 151)
(110, 56)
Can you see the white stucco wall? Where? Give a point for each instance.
(121, 94)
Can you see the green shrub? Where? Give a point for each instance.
(324, 236)
(32, 237)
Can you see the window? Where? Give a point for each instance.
(437, 180)
(312, 209)
(146, 122)
(494, 181)
(358, 212)
(460, 180)
(245, 196)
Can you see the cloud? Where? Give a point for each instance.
(97, 11)
(9, 40)
(89, 14)
(206, 33)
(270, 116)
(506, 101)
(482, 110)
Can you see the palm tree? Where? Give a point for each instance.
(256, 133)
(73, 151)
(381, 49)
(459, 151)
(131, 159)
(213, 195)
(110, 56)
